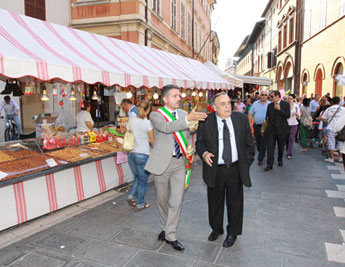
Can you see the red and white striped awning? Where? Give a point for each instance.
(46, 51)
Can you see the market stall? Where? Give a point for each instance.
(58, 68)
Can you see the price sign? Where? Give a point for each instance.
(51, 162)
(84, 155)
(3, 175)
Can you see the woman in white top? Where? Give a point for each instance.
(338, 126)
(84, 120)
(293, 123)
(239, 106)
(137, 158)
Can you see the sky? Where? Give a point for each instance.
(236, 20)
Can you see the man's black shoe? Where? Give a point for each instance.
(213, 236)
(260, 163)
(280, 163)
(229, 240)
(176, 245)
(161, 236)
(268, 168)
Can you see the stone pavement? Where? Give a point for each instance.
(293, 216)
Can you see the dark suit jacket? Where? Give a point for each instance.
(281, 125)
(207, 140)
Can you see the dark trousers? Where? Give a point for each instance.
(273, 137)
(261, 142)
(228, 187)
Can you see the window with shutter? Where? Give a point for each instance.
(35, 9)
(341, 8)
(323, 13)
(173, 14)
(291, 30)
(189, 29)
(285, 36)
(183, 22)
(156, 6)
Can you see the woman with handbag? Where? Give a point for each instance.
(339, 127)
(143, 136)
(293, 123)
(306, 123)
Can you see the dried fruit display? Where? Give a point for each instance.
(20, 167)
(108, 146)
(70, 154)
(20, 154)
(4, 157)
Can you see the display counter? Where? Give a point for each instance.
(34, 181)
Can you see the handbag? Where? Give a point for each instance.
(263, 129)
(340, 137)
(128, 139)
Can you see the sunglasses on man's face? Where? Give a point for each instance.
(263, 95)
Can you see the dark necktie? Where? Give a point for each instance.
(176, 145)
(227, 156)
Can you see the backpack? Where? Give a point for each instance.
(307, 119)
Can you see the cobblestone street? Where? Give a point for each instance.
(294, 216)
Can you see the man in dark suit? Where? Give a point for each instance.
(224, 142)
(278, 111)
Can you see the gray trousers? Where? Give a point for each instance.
(170, 190)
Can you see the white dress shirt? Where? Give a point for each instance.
(234, 152)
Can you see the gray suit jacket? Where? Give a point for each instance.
(163, 148)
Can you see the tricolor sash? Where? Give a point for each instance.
(179, 136)
(187, 151)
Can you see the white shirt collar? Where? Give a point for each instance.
(171, 111)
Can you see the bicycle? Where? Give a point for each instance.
(11, 131)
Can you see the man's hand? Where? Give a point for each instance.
(16, 113)
(276, 106)
(208, 158)
(192, 159)
(196, 116)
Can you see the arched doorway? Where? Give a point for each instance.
(305, 84)
(288, 77)
(318, 82)
(280, 78)
(338, 90)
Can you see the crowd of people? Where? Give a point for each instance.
(161, 143)
(311, 121)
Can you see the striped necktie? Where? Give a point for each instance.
(176, 145)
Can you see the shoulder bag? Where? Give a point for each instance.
(340, 137)
(128, 140)
(263, 129)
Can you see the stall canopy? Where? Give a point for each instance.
(31, 47)
(255, 80)
(232, 79)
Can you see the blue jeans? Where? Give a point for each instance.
(137, 163)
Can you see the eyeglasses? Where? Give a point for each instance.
(271, 96)
(263, 95)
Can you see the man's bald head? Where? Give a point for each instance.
(222, 105)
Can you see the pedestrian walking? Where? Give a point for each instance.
(338, 127)
(293, 123)
(306, 123)
(224, 142)
(239, 106)
(137, 158)
(331, 116)
(167, 160)
(258, 113)
(131, 109)
(277, 114)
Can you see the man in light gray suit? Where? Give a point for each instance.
(167, 159)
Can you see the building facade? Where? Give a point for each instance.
(181, 27)
(323, 54)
